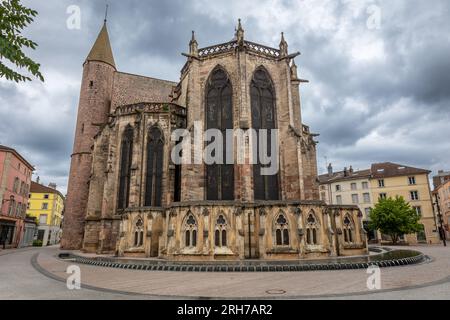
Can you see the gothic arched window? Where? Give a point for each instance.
(312, 228)
(153, 182)
(191, 232)
(220, 235)
(138, 233)
(281, 231)
(219, 115)
(266, 187)
(348, 229)
(126, 157)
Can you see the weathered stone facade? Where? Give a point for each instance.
(113, 211)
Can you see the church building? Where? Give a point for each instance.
(127, 196)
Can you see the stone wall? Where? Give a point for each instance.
(251, 231)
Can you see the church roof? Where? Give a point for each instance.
(101, 51)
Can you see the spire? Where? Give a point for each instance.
(240, 34)
(106, 14)
(101, 51)
(193, 45)
(294, 71)
(283, 46)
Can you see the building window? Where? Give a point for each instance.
(414, 195)
(46, 196)
(311, 230)
(367, 211)
(153, 184)
(281, 231)
(338, 199)
(219, 116)
(381, 183)
(139, 233)
(19, 210)
(91, 84)
(355, 199)
(45, 206)
(412, 181)
(191, 232)
(262, 94)
(220, 236)
(126, 157)
(12, 205)
(354, 186)
(322, 196)
(338, 188)
(366, 197)
(365, 185)
(383, 196)
(16, 185)
(418, 211)
(348, 229)
(43, 219)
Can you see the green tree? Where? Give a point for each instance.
(394, 217)
(14, 17)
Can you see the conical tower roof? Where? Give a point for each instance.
(101, 51)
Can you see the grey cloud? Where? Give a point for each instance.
(148, 37)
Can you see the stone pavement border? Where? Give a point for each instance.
(411, 258)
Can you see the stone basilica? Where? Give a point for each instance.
(127, 197)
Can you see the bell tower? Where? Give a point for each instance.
(95, 100)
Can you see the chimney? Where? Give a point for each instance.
(351, 169)
(38, 179)
(52, 185)
(345, 172)
(330, 170)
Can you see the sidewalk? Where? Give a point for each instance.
(16, 250)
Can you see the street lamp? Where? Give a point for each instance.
(441, 221)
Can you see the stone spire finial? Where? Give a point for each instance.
(294, 70)
(106, 14)
(283, 46)
(240, 34)
(193, 45)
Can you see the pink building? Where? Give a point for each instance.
(15, 181)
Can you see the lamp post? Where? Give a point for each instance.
(441, 221)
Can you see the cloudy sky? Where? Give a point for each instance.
(379, 71)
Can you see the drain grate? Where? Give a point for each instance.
(274, 292)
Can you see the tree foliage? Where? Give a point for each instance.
(14, 17)
(394, 217)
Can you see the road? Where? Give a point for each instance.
(22, 277)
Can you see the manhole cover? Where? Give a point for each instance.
(275, 292)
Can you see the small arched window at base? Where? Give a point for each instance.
(281, 231)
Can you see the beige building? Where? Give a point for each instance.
(443, 192)
(348, 187)
(384, 180)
